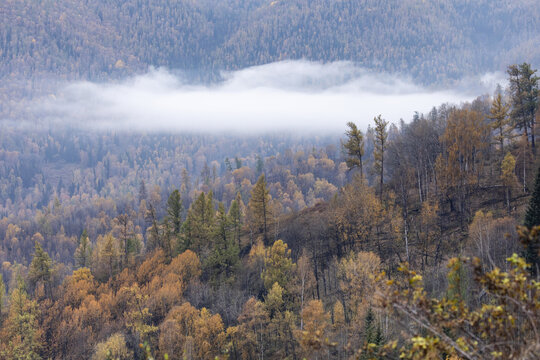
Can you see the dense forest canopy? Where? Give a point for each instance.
(393, 240)
(203, 246)
(434, 41)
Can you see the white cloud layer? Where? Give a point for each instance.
(297, 96)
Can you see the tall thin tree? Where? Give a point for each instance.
(354, 147)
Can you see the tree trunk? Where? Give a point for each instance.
(532, 135)
(382, 176)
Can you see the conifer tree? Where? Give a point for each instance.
(224, 259)
(228, 165)
(23, 337)
(238, 162)
(279, 266)
(260, 208)
(222, 229)
(381, 136)
(499, 115)
(107, 256)
(198, 225)
(457, 281)
(369, 325)
(185, 188)
(40, 269)
(210, 209)
(373, 337)
(354, 147)
(235, 218)
(126, 235)
(174, 212)
(83, 253)
(524, 95)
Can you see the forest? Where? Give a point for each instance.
(43, 43)
(417, 240)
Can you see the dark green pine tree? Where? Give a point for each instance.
(174, 212)
(223, 261)
(41, 269)
(260, 208)
(228, 165)
(83, 253)
(532, 219)
(235, 217)
(196, 230)
(523, 85)
(372, 335)
(369, 326)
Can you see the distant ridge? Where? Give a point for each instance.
(433, 41)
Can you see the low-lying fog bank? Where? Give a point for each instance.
(297, 96)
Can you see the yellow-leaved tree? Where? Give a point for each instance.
(461, 162)
(508, 176)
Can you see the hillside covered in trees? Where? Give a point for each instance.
(395, 241)
(432, 41)
(418, 239)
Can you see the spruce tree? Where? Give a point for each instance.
(369, 326)
(126, 236)
(373, 336)
(523, 85)
(235, 217)
(197, 228)
(40, 269)
(83, 253)
(259, 207)
(228, 165)
(174, 212)
(381, 137)
(108, 256)
(223, 261)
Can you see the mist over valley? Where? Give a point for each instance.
(299, 96)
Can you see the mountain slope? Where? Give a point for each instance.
(431, 40)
